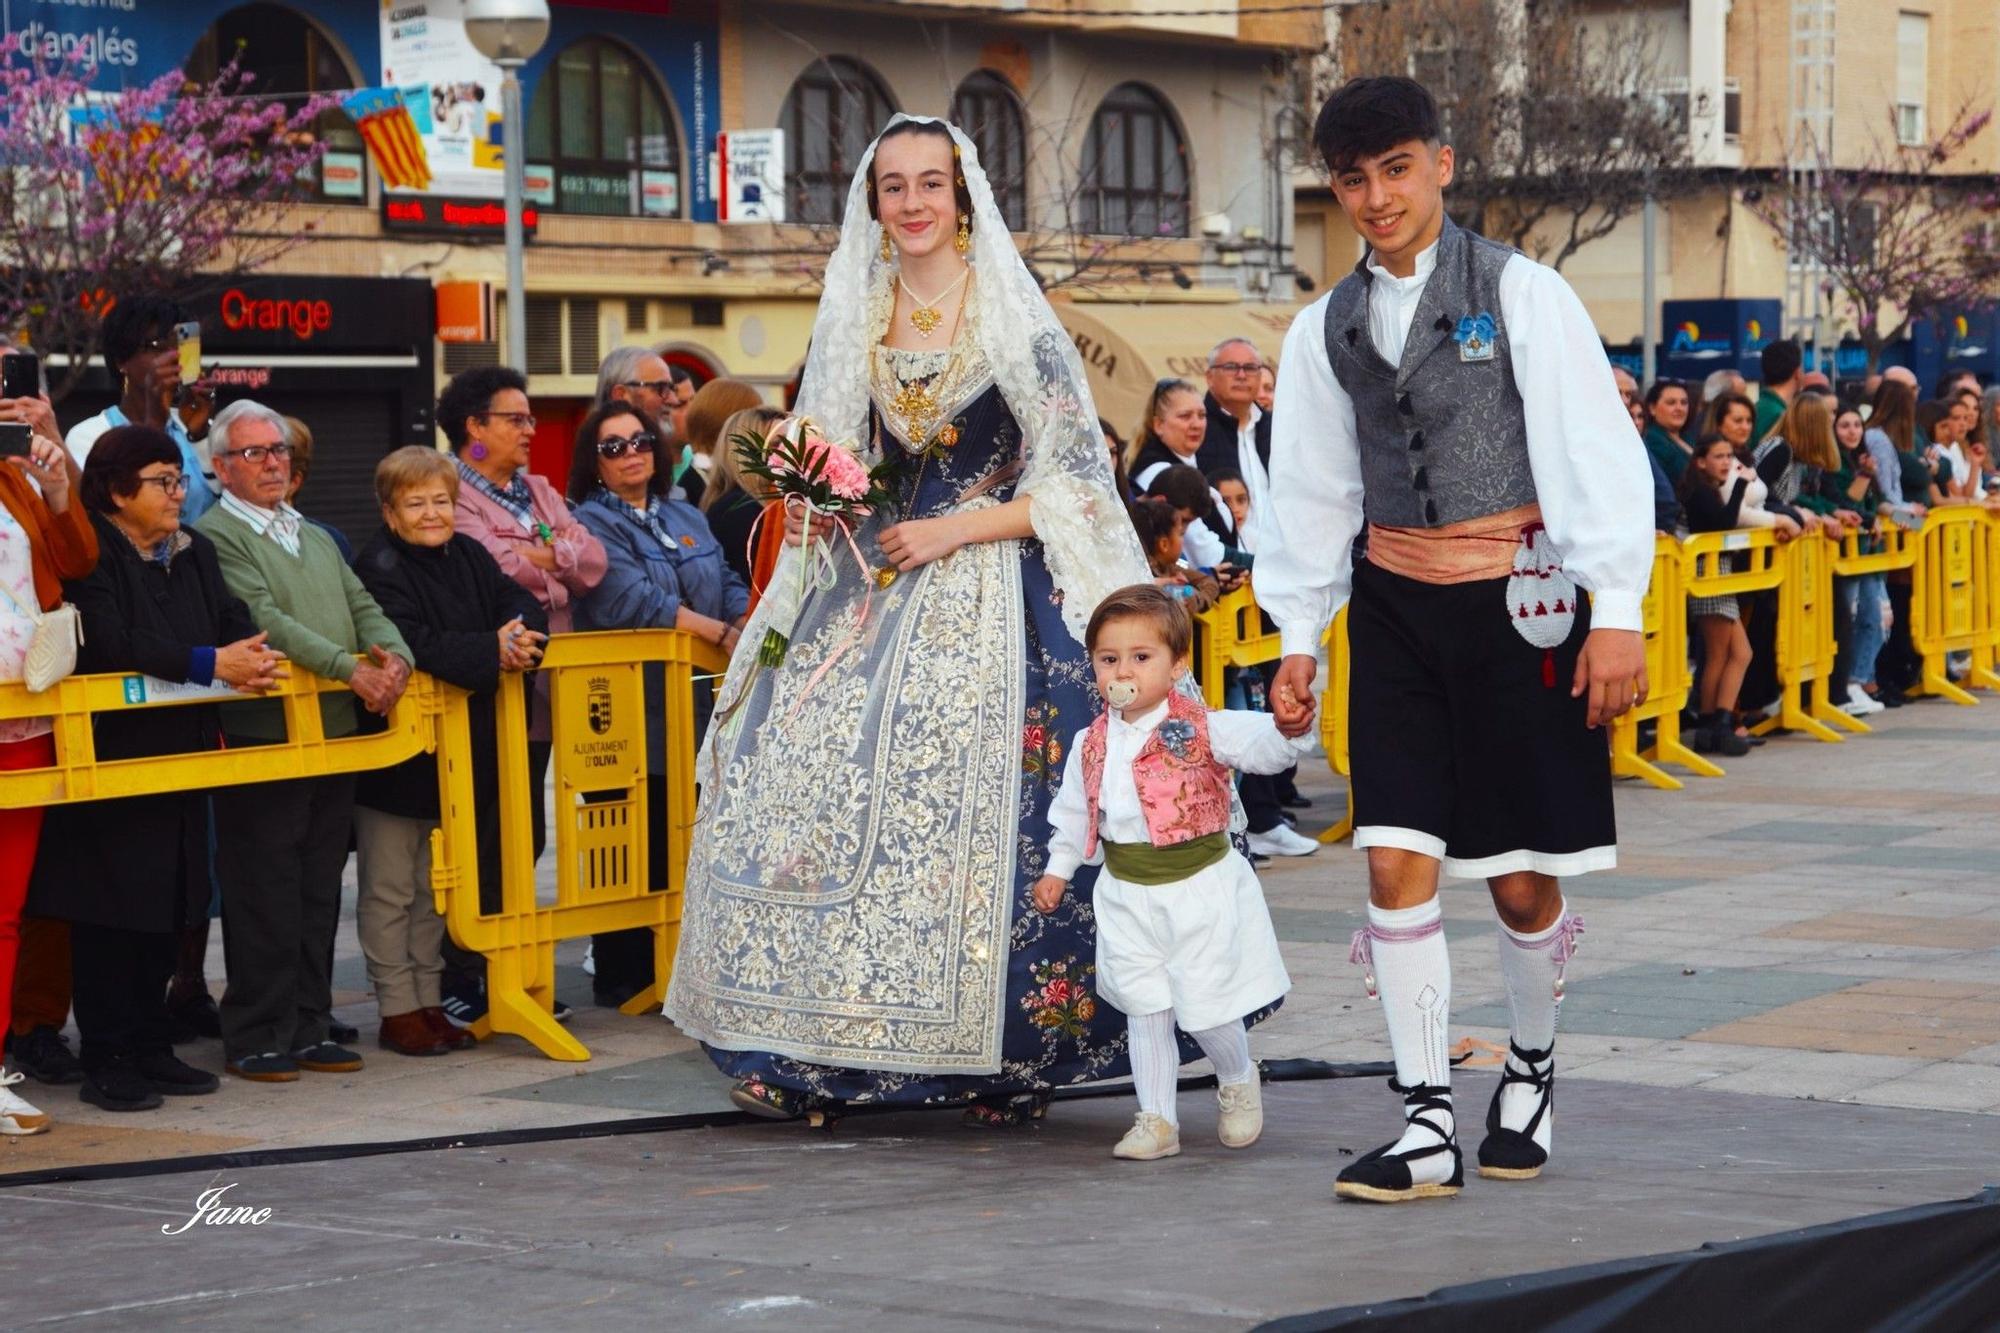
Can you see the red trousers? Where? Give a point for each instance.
(20, 834)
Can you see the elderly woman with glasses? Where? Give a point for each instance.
(156, 605)
(667, 571)
(523, 523)
(467, 623)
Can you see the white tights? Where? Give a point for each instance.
(1156, 1058)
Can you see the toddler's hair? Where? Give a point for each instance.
(1144, 601)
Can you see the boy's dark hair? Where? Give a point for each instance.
(1780, 361)
(1184, 487)
(470, 393)
(136, 321)
(1367, 117)
(1144, 601)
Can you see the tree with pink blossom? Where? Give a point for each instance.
(1900, 232)
(166, 186)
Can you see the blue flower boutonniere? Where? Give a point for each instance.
(1474, 337)
(1178, 736)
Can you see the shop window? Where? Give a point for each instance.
(1135, 167)
(986, 108)
(832, 113)
(292, 61)
(544, 327)
(600, 124)
(583, 336)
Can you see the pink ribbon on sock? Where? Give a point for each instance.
(1561, 943)
(1361, 950)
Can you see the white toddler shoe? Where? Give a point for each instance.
(1149, 1139)
(1242, 1119)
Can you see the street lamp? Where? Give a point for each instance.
(508, 33)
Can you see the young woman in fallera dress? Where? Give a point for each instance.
(858, 924)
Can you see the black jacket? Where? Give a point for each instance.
(1218, 448)
(140, 862)
(448, 601)
(730, 519)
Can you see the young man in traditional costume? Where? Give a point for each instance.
(1452, 398)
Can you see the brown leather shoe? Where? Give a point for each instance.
(454, 1036)
(409, 1034)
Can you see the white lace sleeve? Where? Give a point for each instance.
(1087, 537)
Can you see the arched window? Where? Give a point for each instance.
(1135, 167)
(600, 123)
(986, 108)
(832, 113)
(293, 60)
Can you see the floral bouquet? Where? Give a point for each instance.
(801, 465)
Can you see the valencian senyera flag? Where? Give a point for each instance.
(384, 119)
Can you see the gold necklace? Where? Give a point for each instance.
(922, 403)
(926, 317)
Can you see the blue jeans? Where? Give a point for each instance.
(1863, 595)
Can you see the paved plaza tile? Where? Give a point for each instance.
(1823, 923)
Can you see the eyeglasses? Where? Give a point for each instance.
(518, 420)
(1238, 367)
(614, 446)
(257, 453)
(171, 484)
(659, 387)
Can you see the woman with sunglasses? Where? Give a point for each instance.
(665, 571)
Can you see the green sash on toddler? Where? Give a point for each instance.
(1143, 863)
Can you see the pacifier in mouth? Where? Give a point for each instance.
(1121, 693)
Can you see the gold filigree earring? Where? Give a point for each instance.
(885, 245)
(963, 241)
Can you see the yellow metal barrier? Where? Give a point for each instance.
(1805, 642)
(1709, 553)
(79, 775)
(1897, 549)
(597, 711)
(1952, 604)
(1987, 659)
(1668, 679)
(1333, 719)
(1230, 634)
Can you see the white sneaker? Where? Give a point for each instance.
(1242, 1113)
(1861, 704)
(1149, 1139)
(20, 1117)
(1283, 840)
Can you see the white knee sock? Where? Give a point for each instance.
(1227, 1047)
(1531, 964)
(1412, 972)
(1156, 1062)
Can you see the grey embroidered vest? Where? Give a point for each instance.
(1443, 439)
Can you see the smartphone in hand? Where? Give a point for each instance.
(20, 375)
(188, 337)
(15, 439)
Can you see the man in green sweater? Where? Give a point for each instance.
(281, 846)
(1778, 364)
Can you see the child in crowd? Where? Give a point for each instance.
(1229, 484)
(1183, 936)
(1719, 493)
(1162, 529)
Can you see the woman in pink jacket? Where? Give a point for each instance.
(523, 521)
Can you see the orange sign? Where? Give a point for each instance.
(464, 312)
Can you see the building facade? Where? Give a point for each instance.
(1133, 156)
(1743, 74)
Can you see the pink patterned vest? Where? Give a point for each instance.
(1183, 791)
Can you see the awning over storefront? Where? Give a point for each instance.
(1126, 347)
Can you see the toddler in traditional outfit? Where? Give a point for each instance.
(1183, 936)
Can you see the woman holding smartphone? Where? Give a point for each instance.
(142, 350)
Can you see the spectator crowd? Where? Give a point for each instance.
(172, 529)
